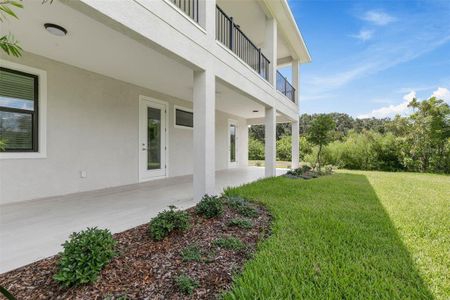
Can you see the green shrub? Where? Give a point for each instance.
(229, 243)
(191, 253)
(241, 223)
(166, 222)
(209, 207)
(242, 207)
(258, 164)
(284, 146)
(84, 256)
(186, 284)
(255, 149)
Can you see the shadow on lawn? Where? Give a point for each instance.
(385, 243)
(332, 239)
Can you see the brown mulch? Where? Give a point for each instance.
(145, 269)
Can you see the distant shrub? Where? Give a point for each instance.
(186, 284)
(84, 256)
(255, 149)
(241, 223)
(209, 207)
(242, 206)
(229, 243)
(167, 221)
(258, 164)
(191, 253)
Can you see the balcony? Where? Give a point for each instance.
(229, 34)
(189, 7)
(285, 87)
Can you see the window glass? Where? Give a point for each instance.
(184, 118)
(18, 110)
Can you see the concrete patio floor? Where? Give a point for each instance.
(35, 229)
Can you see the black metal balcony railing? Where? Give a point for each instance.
(190, 7)
(285, 87)
(229, 34)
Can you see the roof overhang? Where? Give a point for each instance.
(286, 24)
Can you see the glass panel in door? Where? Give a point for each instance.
(232, 143)
(153, 138)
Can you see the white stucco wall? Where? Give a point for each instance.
(92, 126)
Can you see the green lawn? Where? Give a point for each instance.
(353, 235)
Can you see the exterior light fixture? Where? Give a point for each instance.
(55, 29)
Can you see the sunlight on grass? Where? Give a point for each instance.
(361, 235)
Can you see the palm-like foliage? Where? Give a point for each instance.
(7, 42)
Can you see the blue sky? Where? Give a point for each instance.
(371, 57)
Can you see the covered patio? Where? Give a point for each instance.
(33, 230)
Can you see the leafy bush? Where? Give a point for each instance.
(242, 207)
(241, 223)
(229, 243)
(2, 145)
(284, 148)
(209, 207)
(255, 149)
(186, 284)
(168, 221)
(191, 253)
(84, 256)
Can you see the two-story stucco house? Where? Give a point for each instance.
(116, 94)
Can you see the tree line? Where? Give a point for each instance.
(419, 142)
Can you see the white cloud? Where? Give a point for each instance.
(363, 35)
(442, 93)
(392, 110)
(378, 17)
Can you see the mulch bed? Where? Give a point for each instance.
(145, 269)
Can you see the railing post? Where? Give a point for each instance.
(231, 34)
(285, 86)
(259, 61)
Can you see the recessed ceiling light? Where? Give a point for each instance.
(255, 110)
(55, 29)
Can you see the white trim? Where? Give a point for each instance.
(143, 98)
(175, 107)
(230, 163)
(42, 112)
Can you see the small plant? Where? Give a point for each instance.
(186, 284)
(84, 256)
(241, 223)
(191, 253)
(258, 164)
(166, 222)
(209, 207)
(242, 207)
(229, 243)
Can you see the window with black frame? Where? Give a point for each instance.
(184, 118)
(18, 111)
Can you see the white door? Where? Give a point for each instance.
(152, 139)
(232, 143)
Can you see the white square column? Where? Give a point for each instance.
(270, 48)
(204, 133)
(295, 154)
(296, 79)
(270, 141)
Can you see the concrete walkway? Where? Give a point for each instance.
(35, 229)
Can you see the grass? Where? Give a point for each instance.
(353, 235)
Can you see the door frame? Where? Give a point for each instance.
(142, 101)
(236, 141)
